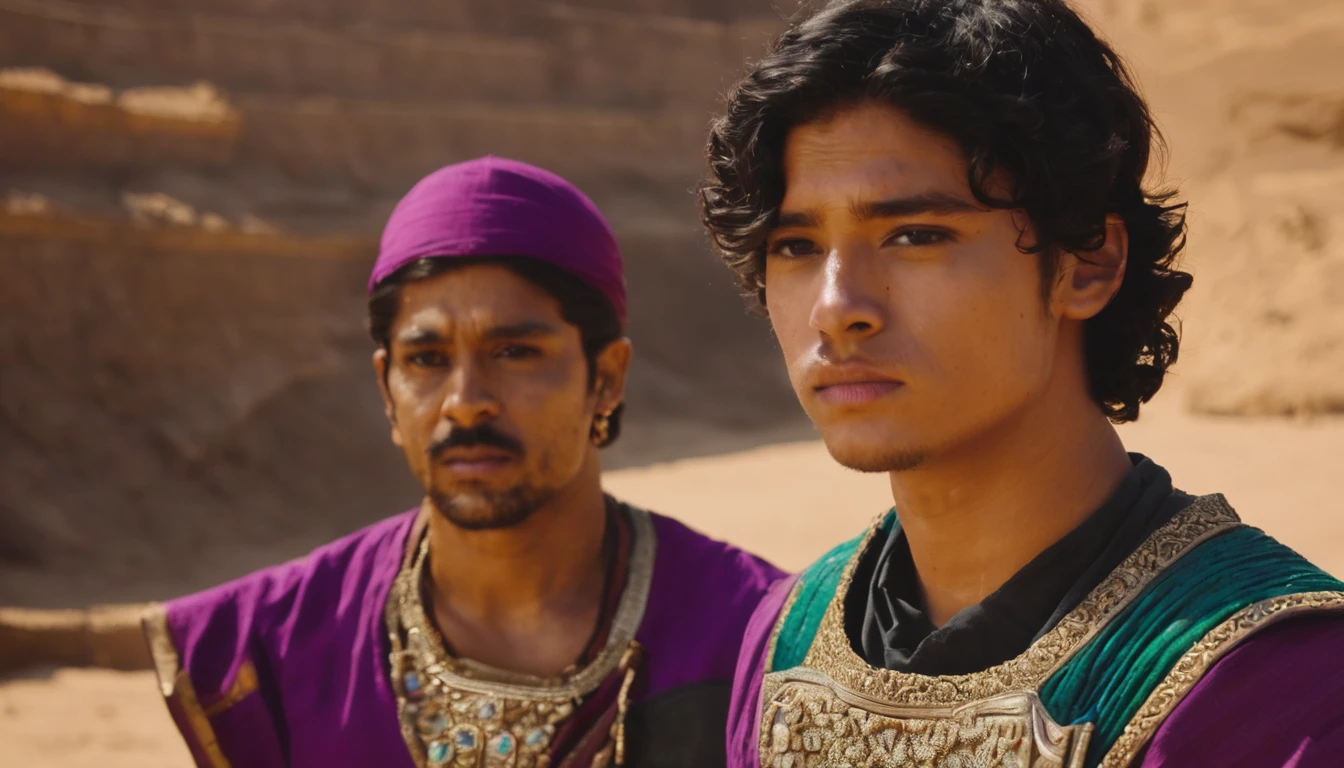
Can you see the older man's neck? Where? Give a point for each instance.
(527, 597)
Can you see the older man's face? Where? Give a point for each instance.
(488, 390)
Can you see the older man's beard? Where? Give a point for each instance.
(482, 510)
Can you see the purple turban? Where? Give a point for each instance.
(497, 207)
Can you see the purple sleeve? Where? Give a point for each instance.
(1276, 701)
(744, 707)
(222, 694)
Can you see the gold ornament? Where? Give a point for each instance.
(601, 431)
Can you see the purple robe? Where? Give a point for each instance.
(1275, 701)
(289, 666)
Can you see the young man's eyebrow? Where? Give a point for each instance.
(867, 210)
(913, 205)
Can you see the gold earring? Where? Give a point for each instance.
(601, 429)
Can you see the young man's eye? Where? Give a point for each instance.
(517, 352)
(918, 237)
(793, 248)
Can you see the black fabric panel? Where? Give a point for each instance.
(680, 728)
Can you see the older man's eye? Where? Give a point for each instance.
(793, 248)
(427, 359)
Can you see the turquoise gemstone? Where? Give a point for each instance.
(465, 739)
(501, 744)
(439, 752)
(535, 737)
(487, 710)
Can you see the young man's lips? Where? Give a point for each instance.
(858, 392)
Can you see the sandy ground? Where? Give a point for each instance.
(788, 502)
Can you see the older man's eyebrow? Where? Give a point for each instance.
(421, 337)
(523, 330)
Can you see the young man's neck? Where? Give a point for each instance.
(524, 598)
(976, 516)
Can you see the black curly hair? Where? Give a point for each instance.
(1028, 92)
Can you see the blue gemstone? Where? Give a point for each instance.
(412, 680)
(487, 710)
(440, 752)
(535, 738)
(465, 739)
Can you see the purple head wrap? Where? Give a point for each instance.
(497, 207)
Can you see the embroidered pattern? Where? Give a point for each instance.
(1199, 659)
(811, 724)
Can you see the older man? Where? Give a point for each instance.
(519, 616)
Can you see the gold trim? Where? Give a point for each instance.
(244, 685)
(175, 684)
(1200, 658)
(154, 622)
(789, 602)
(832, 654)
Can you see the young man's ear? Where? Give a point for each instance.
(381, 361)
(1088, 280)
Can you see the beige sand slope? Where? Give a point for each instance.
(788, 502)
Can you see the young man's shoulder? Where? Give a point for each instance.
(1284, 689)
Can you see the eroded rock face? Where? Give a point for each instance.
(190, 195)
(1249, 94)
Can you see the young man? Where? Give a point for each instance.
(519, 617)
(941, 206)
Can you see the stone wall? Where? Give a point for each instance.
(190, 195)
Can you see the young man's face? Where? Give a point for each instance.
(488, 391)
(911, 322)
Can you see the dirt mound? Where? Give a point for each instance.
(1249, 94)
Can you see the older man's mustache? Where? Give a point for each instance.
(473, 437)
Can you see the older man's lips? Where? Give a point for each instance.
(857, 393)
(477, 464)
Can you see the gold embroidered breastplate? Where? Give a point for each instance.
(455, 712)
(836, 710)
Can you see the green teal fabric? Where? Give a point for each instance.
(815, 588)
(1107, 681)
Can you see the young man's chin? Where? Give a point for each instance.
(873, 455)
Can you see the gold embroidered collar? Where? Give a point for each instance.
(456, 712)
(832, 654)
